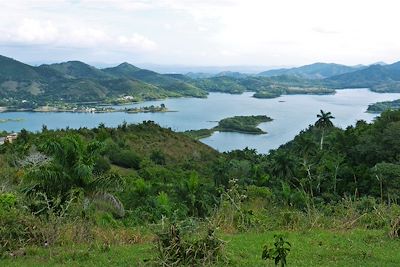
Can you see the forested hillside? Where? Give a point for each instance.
(112, 187)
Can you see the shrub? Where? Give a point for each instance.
(18, 230)
(101, 165)
(278, 251)
(158, 157)
(126, 159)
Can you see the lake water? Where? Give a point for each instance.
(291, 113)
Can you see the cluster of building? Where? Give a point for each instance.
(9, 138)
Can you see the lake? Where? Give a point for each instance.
(291, 113)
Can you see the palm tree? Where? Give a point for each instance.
(71, 168)
(324, 122)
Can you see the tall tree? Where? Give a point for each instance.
(324, 122)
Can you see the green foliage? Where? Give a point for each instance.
(158, 157)
(7, 201)
(101, 165)
(18, 229)
(278, 252)
(126, 159)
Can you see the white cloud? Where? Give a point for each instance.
(137, 41)
(284, 32)
(35, 32)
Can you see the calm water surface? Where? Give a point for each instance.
(290, 113)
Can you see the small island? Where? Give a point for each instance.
(267, 94)
(149, 109)
(239, 124)
(382, 106)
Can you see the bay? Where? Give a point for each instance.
(291, 113)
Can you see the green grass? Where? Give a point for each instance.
(309, 248)
(320, 248)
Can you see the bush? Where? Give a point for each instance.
(158, 157)
(101, 165)
(18, 230)
(126, 159)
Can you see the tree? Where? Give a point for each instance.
(324, 122)
(71, 168)
(282, 165)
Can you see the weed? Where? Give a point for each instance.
(278, 252)
(175, 249)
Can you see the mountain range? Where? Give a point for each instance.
(76, 81)
(313, 71)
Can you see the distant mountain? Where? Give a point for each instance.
(379, 77)
(77, 69)
(164, 81)
(11, 69)
(233, 74)
(313, 71)
(202, 75)
(75, 81)
(199, 75)
(380, 63)
(276, 85)
(223, 84)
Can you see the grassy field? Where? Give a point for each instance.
(309, 248)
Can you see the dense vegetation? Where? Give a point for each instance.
(382, 106)
(96, 192)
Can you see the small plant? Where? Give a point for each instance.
(278, 252)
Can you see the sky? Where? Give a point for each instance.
(201, 32)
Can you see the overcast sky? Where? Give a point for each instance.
(201, 32)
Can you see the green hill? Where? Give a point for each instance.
(221, 84)
(313, 71)
(77, 69)
(22, 85)
(11, 69)
(383, 78)
(265, 87)
(163, 81)
(383, 106)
